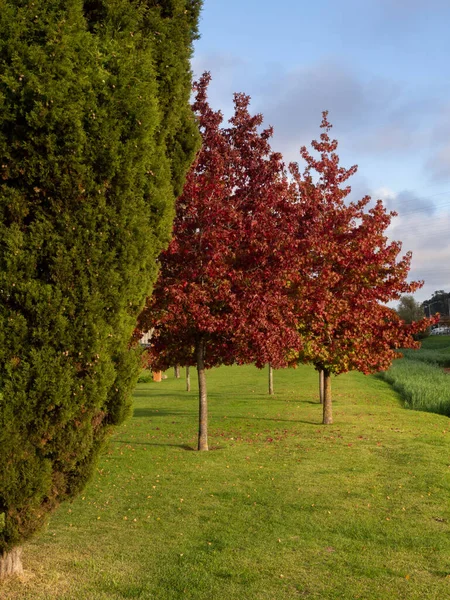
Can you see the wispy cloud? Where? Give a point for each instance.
(423, 226)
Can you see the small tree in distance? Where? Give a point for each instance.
(350, 272)
(221, 296)
(409, 310)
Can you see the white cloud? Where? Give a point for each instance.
(422, 228)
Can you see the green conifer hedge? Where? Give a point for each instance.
(96, 136)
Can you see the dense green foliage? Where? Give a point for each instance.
(419, 376)
(409, 309)
(281, 508)
(96, 136)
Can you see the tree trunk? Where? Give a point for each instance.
(176, 371)
(11, 563)
(327, 412)
(270, 380)
(321, 386)
(202, 397)
(188, 380)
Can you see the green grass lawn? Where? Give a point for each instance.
(281, 508)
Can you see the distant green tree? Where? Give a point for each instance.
(96, 135)
(409, 310)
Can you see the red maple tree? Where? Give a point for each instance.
(222, 295)
(350, 271)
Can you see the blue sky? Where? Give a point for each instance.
(381, 69)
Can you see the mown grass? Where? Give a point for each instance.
(419, 377)
(281, 508)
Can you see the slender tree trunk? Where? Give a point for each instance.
(270, 380)
(202, 397)
(327, 412)
(188, 380)
(11, 563)
(321, 386)
(176, 371)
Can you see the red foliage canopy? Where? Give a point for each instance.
(350, 271)
(224, 277)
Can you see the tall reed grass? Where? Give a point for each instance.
(423, 386)
(440, 358)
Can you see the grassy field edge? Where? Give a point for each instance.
(281, 508)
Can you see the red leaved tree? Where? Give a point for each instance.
(350, 271)
(222, 294)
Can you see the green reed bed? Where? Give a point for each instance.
(436, 342)
(422, 384)
(439, 358)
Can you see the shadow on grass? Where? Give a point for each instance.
(134, 443)
(182, 446)
(158, 412)
(151, 413)
(177, 395)
(159, 394)
(273, 419)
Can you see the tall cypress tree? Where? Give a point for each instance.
(96, 135)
